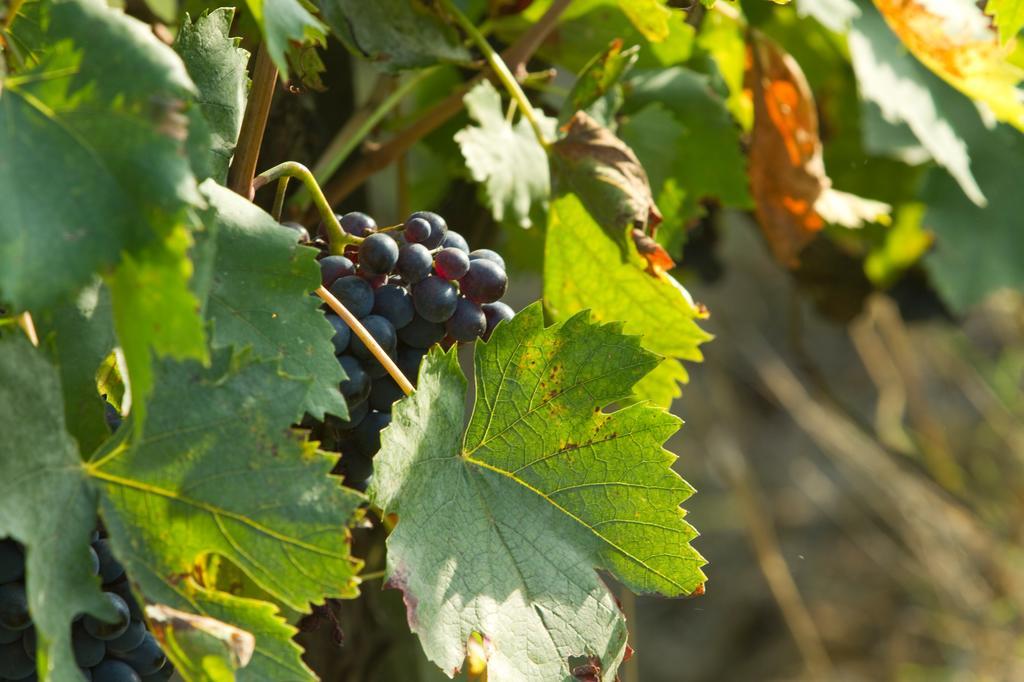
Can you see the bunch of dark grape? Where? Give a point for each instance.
(412, 286)
(122, 651)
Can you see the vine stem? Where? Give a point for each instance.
(12, 11)
(357, 327)
(375, 575)
(254, 124)
(500, 69)
(339, 239)
(349, 137)
(516, 55)
(282, 187)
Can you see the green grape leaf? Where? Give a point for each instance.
(397, 34)
(165, 10)
(213, 651)
(585, 268)
(978, 249)
(218, 67)
(80, 335)
(500, 530)
(598, 89)
(506, 159)
(1008, 15)
(98, 115)
(46, 501)
(155, 311)
(240, 485)
(686, 138)
(650, 17)
(907, 92)
(587, 27)
(259, 297)
(284, 22)
(276, 656)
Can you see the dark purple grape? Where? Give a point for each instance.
(342, 333)
(394, 303)
(378, 254)
(454, 240)
(161, 675)
(302, 232)
(334, 267)
(468, 323)
(111, 670)
(487, 254)
(384, 393)
(7, 635)
(357, 386)
(356, 414)
(435, 298)
(110, 568)
(376, 369)
(358, 224)
(416, 230)
(375, 281)
(383, 333)
(146, 658)
(131, 638)
(485, 282)
(409, 360)
(495, 313)
(367, 435)
(14, 663)
(438, 228)
(421, 333)
(414, 262)
(451, 263)
(28, 643)
(355, 293)
(88, 650)
(124, 591)
(86, 673)
(101, 629)
(14, 613)
(356, 467)
(12, 561)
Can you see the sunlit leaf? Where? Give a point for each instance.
(956, 40)
(500, 530)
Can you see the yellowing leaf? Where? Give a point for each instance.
(1008, 15)
(960, 46)
(650, 17)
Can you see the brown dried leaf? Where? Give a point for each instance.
(607, 176)
(793, 194)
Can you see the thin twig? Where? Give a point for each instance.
(254, 123)
(629, 671)
(375, 575)
(357, 327)
(500, 69)
(516, 56)
(282, 189)
(339, 239)
(769, 556)
(12, 11)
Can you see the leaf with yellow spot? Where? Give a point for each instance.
(501, 524)
(219, 471)
(956, 40)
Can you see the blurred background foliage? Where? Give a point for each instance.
(856, 429)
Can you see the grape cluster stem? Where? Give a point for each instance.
(371, 343)
(337, 236)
